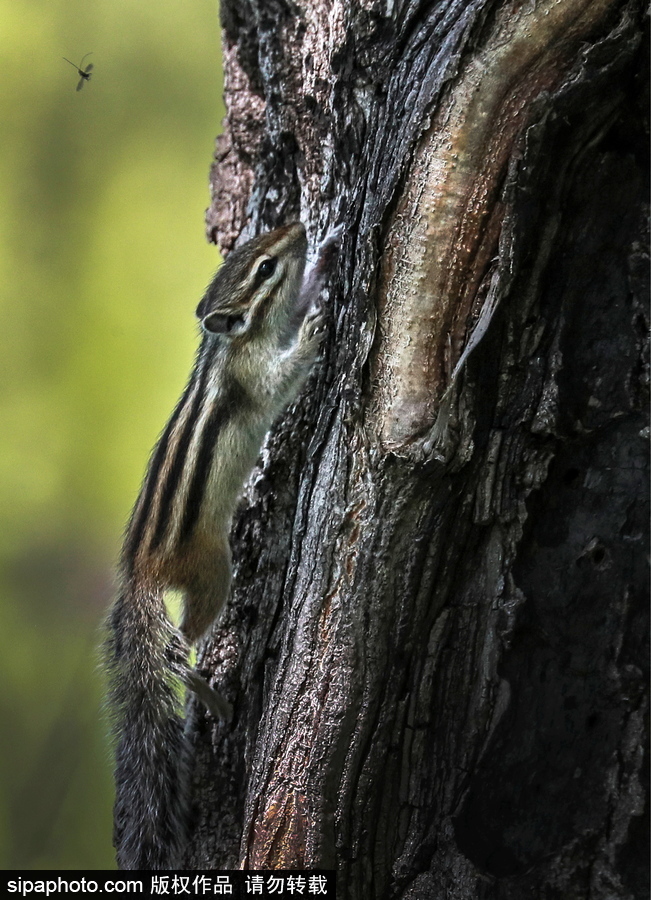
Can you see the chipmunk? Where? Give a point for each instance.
(262, 326)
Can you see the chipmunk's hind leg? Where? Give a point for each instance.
(206, 592)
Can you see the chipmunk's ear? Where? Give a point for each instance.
(224, 323)
(203, 306)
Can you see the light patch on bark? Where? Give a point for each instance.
(236, 150)
(445, 231)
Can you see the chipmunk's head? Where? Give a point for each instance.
(257, 286)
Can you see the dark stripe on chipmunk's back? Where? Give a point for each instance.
(175, 471)
(224, 409)
(143, 506)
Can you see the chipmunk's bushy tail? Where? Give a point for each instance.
(146, 661)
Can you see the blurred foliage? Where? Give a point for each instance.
(102, 261)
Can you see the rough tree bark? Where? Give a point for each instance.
(436, 641)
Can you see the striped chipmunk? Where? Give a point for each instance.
(262, 325)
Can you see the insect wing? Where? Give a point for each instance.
(81, 83)
(89, 68)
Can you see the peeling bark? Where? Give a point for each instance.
(436, 642)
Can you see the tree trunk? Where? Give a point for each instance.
(435, 644)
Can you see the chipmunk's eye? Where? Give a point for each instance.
(219, 323)
(266, 268)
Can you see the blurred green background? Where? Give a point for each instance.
(102, 261)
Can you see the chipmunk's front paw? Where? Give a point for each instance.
(329, 249)
(313, 326)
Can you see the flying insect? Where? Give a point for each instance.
(84, 74)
